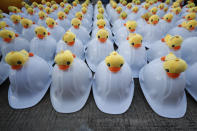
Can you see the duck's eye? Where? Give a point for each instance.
(141, 41)
(188, 17)
(68, 62)
(173, 45)
(121, 65)
(132, 43)
(167, 70)
(108, 64)
(44, 33)
(190, 26)
(97, 24)
(107, 36)
(167, 18)
(104, 25)
(129, 28)
(72, 24)
(151, 20)
(36, 32)
(99, 36)
(73, 39)
(27, 24)
(52, 23)
(10, 36)
(19, 62)
(78, 24)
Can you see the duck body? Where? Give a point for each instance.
(96, 52)
(182, 32)
(64, 23)
(29, 84)
(28, 33)
(56, 32)
(68, 91)
(44, 48)
(42, 23)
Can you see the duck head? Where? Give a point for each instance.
(7, 35)
(135, 40)
(43, 2)
(118, 9)
(74, 3)
(76, 23)
(48, 10)
(30, 11)
(13, 9)
(192, 10)
(167, 2)
(114, 62)
(190, 25)
(15, 19)
(114, 5)
(154, 19)
(66, 10)
(131, 26)
(69, 38)
(50, 22)
(23, 4)
(135, 9)
(175, 5)
(146, 16)
(123, 15)
(26, 23)
(161, 6)
(174, 67)
(48, 4)
(42, 15)
(79, 15)
(101, 10)
(124, 3)
(40, 7)
(99, 2)
(55, 7)
(100, 16)
(69, 6)
(153, 10)
(16, 59)
(170, 56)
(34, 4)
(190, 5)
(168, 17)
(176, 10)
(3, 24)
(175, 42)
(101, 23)
(64, 59)
(129, 6)
(146, 6)
(65, 1)
(53, 2)
(190, 16)
(41, 32)
(165, 9)
(61, 15)
(62, 4)
(102, 35)
(84, 10)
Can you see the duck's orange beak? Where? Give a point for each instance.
(63, 67)
(132, 30)
(61, 18)
(40, 36)
(163, 58)
(41, 18)
(80, 18)
(114, 69)
(169, 21)
(173, 75)
(154, 13)
(134, 11)
(16, 67)
(177, 48)
(118, 12)
(137, 45)
(50, 26)
(155, 22)
(25, 26)
(163, 40)
(101, 27)
(8, 40)
(124, 18)
(15, 22)
(102, 40)
(76, 26)
(84, 12)
(183, 17)
(191, 29)
(71, 43)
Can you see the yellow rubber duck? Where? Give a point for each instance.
(48, 4)
(43, 2)
(118, 9)
(74, 3)
(176, 10)
(41, 32)
(66, 10)
(53, 2)
(114, 5)
(135, 40)
(48, 10)
(174, 68)
(55, 7)
(153, 10)
(100, 16)
(131, 25)
(114, 62)
(42, 15)
(190, 16)
(76, 23)
(3, 24)
(69, 38)
(189, 25)
(190, 5)
(50, 22)
(61, 15)
(65, 1)
(84, 10)
(154, 19)
(170, 56)
(165, 9)
(13, 9)
(26, 23)
(146, 16)
(7, 35)
(135, 9)
(79, 15)
(161, 6)
(102, 35)
(16, 59)
(167, 2)
(69, 6)
(23, 3)
(62, 4)
(124, 3)
(166, 38)
(129, 6)
(123, 15)
(15, 19)
(30, 11)
(101, 11)
(168, 17)
(192, 10)
(101, 23)
(41, 7)
(146, 6)
(34, 4)
(64, 59)
(175, 42)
